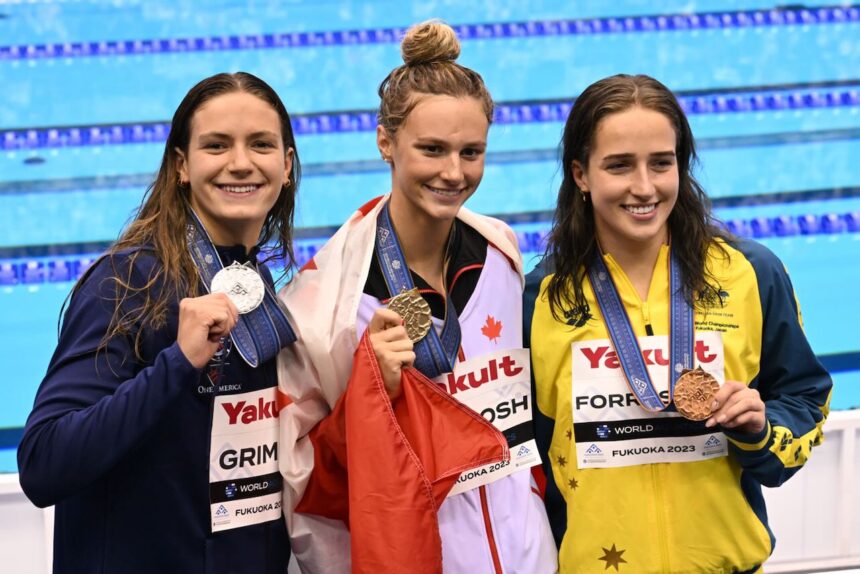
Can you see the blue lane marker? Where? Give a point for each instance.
(26, 269)
(785, 16)
(772, 99)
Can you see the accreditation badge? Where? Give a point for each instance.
(498, 386)
(612, 430)
(244, 480)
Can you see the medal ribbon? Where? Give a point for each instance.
(435, 354)
(624, 340)
(259, 334)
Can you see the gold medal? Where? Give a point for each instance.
(415, 311)
(694, 394)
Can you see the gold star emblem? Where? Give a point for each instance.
(572, 483)
(569, 434)
(561, 460)
(613, 557)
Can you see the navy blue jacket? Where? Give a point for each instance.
(121, 445)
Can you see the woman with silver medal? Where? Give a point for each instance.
(672, 375)
(154, 432)
(412, 292)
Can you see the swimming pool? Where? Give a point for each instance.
(773, 96)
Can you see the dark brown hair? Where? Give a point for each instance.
(572, 241)
(160, 222)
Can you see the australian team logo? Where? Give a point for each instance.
(713, 297)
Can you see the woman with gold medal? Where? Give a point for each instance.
(410, 327)
(672, 375)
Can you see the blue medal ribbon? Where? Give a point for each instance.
(259, 334)
(435, 354)
(681, 332)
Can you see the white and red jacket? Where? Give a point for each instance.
(380, 505)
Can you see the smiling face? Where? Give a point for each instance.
(436, 157)
(236, 166)
(631, 179)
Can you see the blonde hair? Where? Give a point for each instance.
(429, 52)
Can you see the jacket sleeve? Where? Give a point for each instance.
(94, 404)
(793, 384)
(556, 507)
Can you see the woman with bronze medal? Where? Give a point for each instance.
(672, 375)
(410, 432)
(155, 429)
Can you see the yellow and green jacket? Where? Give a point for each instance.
(631, 491)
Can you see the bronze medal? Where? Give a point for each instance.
(694, 394)
(415, 311)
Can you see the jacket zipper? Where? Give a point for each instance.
(491, 540)
(659, 513)
(646, 316)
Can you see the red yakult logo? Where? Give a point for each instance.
(609, 359)
(250, 413)
(507, 366)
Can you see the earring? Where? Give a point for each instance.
(585, 196)
(287, 184)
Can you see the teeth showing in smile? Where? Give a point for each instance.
(445, 192)
(238, 188)
(641, 209)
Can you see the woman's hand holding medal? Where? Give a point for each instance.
(738, 407)
(203, 323)
(392, 347)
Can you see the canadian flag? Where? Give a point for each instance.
(378, 468)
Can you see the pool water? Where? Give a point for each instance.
(773, 96)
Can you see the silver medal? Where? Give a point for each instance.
(242, 284)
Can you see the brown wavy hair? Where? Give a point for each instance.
(429, 51)
(159, 225)
(572, 242)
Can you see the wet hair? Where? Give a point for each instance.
(572, 242)
(429, 51)
(159, 225)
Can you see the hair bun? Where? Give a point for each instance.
(428, 42)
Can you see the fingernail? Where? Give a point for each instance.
(715, 405)
(709, 423)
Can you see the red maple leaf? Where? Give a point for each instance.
(492, 329)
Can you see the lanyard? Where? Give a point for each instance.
(624, 339)
(434, 354)
(259, 334)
